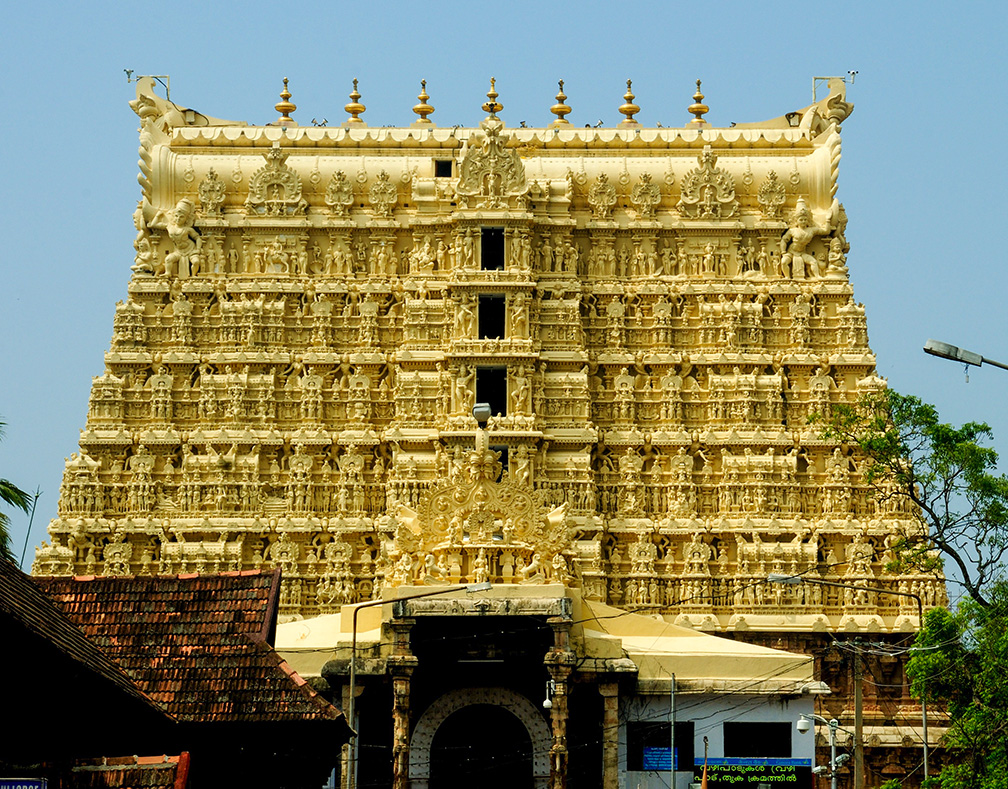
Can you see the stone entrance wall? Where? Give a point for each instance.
(438, 712)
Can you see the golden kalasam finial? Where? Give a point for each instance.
(492, 106)
(560, 109)
(628, 108)
(698, 108)
(355, 108)
(285, 107)
(423, 109)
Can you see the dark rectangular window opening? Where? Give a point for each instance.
(491, 387)
(492, 248)
(649, 749)
(491, 317)
(442, 168)
(757, 740)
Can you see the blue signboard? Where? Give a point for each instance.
(657, 758)
(660, 758)
(22, 783)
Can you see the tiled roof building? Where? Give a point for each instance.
(155, 665)
(198, 645)
(64, 696)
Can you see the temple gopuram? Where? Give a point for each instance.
(652, 315)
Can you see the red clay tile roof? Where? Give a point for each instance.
(22, 602)
(131, 772)
(196, 644)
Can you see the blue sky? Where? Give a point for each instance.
(922, 178)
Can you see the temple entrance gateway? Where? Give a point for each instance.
(481, 745)
(487, 737)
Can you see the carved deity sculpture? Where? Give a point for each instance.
(646, 196)
(145, 254)
(519, 316)
(602, 197)
(837, 260)
(708, 191)
(464, 318)
(465, 389)
(520, 391)
(491, 174)
(771, 196)
(467, 259)
(339, 194)
(796, 261)
(212, 193)
(383, 195)
(697, 556)
(178, 225)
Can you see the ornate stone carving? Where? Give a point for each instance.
(491, 174)
(656, 380)
(339, 194)
(183, 258)
(708, 191)
(477, 526)
(771, 196)
(144, 260)
(646, 196)
(796, 260)
(117, 557)
(837, 108)
(602, 197)
(335, 586)
(211, 193)
(383, 195)
(275, 189)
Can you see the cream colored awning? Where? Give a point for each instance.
(610, 639)
(699, 662)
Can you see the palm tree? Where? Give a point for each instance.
(13, 495)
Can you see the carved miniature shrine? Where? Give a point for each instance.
(653, 315)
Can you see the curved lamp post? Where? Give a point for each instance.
(351, 778)
(945, 351)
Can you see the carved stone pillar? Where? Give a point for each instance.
(559, 662)
(610, 734)
(401, 664)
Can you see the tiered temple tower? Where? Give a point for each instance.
(653, 315)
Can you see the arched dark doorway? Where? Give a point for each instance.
(481, 745)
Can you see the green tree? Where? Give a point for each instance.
(13, 495)
(946, 474)
(961, 662)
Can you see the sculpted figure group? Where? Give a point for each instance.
(187, 255)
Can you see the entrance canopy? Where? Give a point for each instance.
(605, 638)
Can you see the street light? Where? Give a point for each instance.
(469, 589)
(804, 725)
(945, 351)
(793, 580)
(481, 413)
